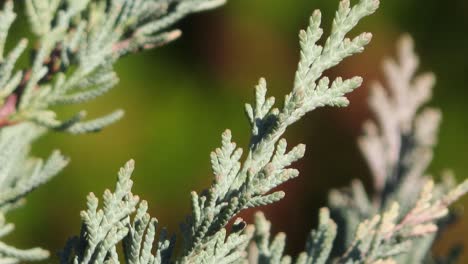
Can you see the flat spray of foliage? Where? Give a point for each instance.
(78, 41)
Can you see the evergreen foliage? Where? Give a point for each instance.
(78, 43)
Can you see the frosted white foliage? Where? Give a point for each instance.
(318, 247)
(103, 228)
(262, 250)
(398, 148)
(384, 238)
(397, 224)
(7, 16)
(238, 186)
(78, 43)
(320, 241)
(399, 121)
(123, 219)
(390, 234)
(138, 244)
(19, 175)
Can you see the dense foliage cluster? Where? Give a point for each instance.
(77, 44)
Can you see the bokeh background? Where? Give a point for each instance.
(179, 98)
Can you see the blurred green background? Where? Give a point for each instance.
(178, 99)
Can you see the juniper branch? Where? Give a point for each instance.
(19, 175)
(239, 186)
(78, 43)
(397, 147)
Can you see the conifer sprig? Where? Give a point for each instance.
(78, 42)
(240, 186)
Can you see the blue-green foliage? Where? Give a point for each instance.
(79, 41)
